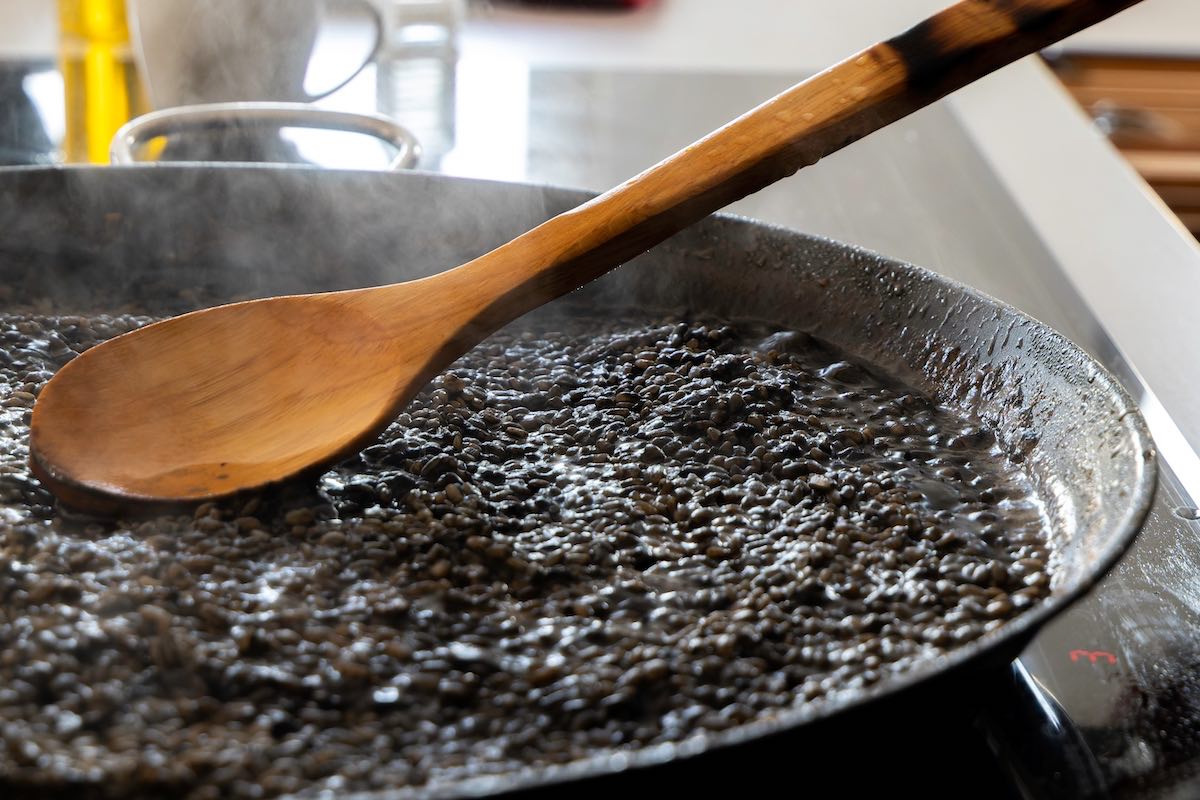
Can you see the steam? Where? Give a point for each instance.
(225, 50)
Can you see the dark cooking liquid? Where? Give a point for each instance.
(613, 534)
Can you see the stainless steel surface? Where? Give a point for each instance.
(216, 116)
(1054, 409)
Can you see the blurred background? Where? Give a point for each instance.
(456, 72)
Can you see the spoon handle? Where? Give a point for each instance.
(823, 114)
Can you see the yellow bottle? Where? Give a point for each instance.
(101, 85)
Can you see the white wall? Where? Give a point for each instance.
(28, 28)
(1170, 27)
(768, 35)
(740, 34)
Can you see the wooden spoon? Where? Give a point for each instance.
(250, 394)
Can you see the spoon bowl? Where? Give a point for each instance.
(235, 397)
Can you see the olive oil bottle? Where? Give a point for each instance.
(101, 87)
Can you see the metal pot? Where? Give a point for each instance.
(145, 231)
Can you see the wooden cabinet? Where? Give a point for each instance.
(1150, 107)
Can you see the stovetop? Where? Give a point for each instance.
(1106, 701)
(1113, 685)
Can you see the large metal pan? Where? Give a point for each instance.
(253, 231)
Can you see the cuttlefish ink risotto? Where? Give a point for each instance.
(605, 535)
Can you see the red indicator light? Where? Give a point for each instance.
(1093, 656)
